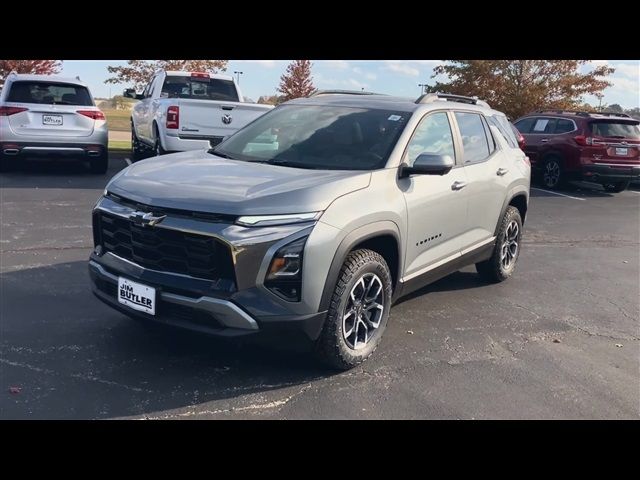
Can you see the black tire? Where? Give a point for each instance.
(332, 347)
(616, 187)
(99, 165)
(552, 175)
(138, 151)
(495, 269)
(157, 148)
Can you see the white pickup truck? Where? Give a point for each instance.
(182, 111)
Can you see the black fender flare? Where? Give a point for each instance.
(518, 191)
(359, 235)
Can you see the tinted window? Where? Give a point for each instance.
(199, 88)
(49, 93)
(544, 125)
(432, 135)
(491, 140)
(524, 125)
(615, 129)
(564, 126)
(474, 140)
(323, 137)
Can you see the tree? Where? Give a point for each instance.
(633, 112)
(270, 100)
(40, 67)
(614, 107)
(139, 72)
(517, 87)
(296, 82)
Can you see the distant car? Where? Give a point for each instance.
(599, 147)
(51, 117)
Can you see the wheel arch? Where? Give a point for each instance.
(382, 237)
(519, 198)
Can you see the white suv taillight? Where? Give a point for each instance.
(173, 117)
(92, 114)
(6, 111)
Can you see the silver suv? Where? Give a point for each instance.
(50, 117)
(314, 218)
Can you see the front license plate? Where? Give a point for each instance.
(52, 119)
(623, 152)
(137, 296)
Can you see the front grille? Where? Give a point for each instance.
(166, 250)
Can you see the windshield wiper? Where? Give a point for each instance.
(212, 151)
(289, 163)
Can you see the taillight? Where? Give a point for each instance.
(173, 117)
(92, 114)
(583, 140)
(521, 142)
(200, 75)
(6, 111)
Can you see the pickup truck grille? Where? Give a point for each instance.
(165, 250)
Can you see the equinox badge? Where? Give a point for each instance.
(145, 219)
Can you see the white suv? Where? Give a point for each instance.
(51, 117)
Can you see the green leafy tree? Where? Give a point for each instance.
(296, 82)
(138, 72)
(517, 87)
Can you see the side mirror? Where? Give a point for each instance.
(131, 93)
(428, 164)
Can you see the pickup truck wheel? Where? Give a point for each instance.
(137, 149)
(616, 187)
(99, 165)
(158, 145)
(507, 249)
(358, 312)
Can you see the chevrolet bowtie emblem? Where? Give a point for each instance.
(145, 219)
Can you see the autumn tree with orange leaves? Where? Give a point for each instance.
(296, 82)
(40, 67)
(517, 87)
(139, 72)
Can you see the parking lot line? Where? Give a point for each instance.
(556, 193)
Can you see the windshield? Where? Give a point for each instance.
(616, 129)
(321, 137)
(49, 93)
(199, 88)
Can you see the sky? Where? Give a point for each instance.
(394, 77)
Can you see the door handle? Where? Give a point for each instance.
(458, 185)
(502, 171)
(544, 140)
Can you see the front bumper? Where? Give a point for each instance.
(601, 173)
(244, 306)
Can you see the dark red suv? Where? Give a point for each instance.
(597, 147)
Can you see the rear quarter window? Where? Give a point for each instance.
(524, 125)
(49, 93)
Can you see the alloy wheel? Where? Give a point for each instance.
(363, 311)
(551, 175)
(510, 246)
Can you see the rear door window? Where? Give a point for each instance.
(49, 93)
(524, 125)
(474, 138)
(199, 88)
(613, 129)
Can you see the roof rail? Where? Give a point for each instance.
(342, 92)
(584, 113)
(434, 97)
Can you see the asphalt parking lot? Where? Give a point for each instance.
(559, 340)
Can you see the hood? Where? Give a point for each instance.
(199, 181)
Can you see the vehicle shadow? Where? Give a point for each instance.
(578, 189)
(59, 174)
(456, 281)
(73, 357)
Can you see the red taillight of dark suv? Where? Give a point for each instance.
(566, 145)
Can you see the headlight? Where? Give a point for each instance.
(284, 277)
(267, 220)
